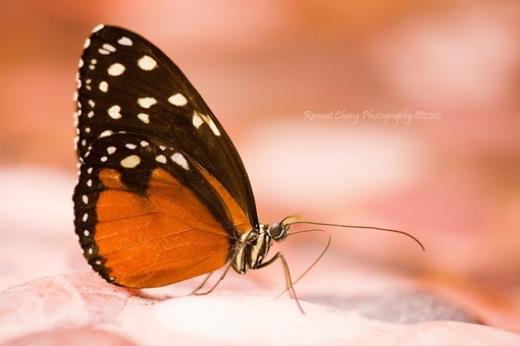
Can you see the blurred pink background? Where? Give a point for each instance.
(278, 75)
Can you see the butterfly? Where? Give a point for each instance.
(162, 194)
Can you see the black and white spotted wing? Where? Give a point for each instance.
(126, 85)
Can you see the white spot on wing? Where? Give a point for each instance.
(106, 133)
(125, 41)
(213, 127)
(146, 102)
(198, 118)
(145, 118)
(111, 150)
(103, 86)
(103, 51)
(84, 198)
(130, 146)
(98, 27)
(109, 47)
(87, 43)
(144, 143)
(89, 182)
(116, 69)
(85, 217)
(179, 159)
(115, 112)
(197, 121)
(104, 159)
(147, 63)
(86, 233)
(160, 158)
(178, 100)
(130, 161)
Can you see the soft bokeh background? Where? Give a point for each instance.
(278, 74)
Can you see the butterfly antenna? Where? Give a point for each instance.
(361, 227)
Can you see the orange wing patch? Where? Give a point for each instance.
(158, 239)
(236, 214)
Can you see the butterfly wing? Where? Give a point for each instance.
(149, 215)
(126, 84)
(162, 194)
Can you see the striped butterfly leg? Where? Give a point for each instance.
(202, 284)
(288, 281)
(222, 276)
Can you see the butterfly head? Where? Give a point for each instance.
(278, 231)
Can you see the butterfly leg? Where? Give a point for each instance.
(201, 284)
(288, 281)
(216, 283)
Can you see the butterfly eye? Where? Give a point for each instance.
(277, 231)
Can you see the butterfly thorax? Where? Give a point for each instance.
(252, 248)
